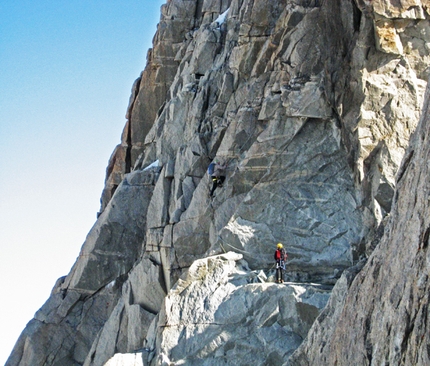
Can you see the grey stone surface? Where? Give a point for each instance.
(311, 105)
(216, 314)
(382, 318)
(115, 242)
(293, 202)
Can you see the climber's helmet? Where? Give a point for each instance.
(279, 246)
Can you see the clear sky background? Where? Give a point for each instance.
(66, 72)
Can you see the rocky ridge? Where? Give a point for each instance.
(311, 104)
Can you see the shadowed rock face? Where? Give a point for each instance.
(381, 317)
(311, 105)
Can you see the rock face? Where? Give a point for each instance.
(217, 315)
(391, 326)
(311, 105)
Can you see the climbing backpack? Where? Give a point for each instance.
(281, 255)
(211, 168)
(284, 254)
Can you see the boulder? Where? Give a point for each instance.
(220, 313)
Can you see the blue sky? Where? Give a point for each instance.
(66, 72)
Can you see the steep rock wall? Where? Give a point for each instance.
(310, 103)
(382, 315)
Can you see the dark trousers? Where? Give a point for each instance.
(279, 272)
(215, 182)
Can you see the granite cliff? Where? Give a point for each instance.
(312, 105)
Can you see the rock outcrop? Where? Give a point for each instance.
(311, 105)
(221, 313)
(392, 325)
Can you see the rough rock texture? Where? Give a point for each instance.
(216, 315)
(310, 104)
(221, 313)
(383, 318)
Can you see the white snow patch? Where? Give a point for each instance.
(121, 359)
(111, 284)
(153, 165)
(221, 18)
